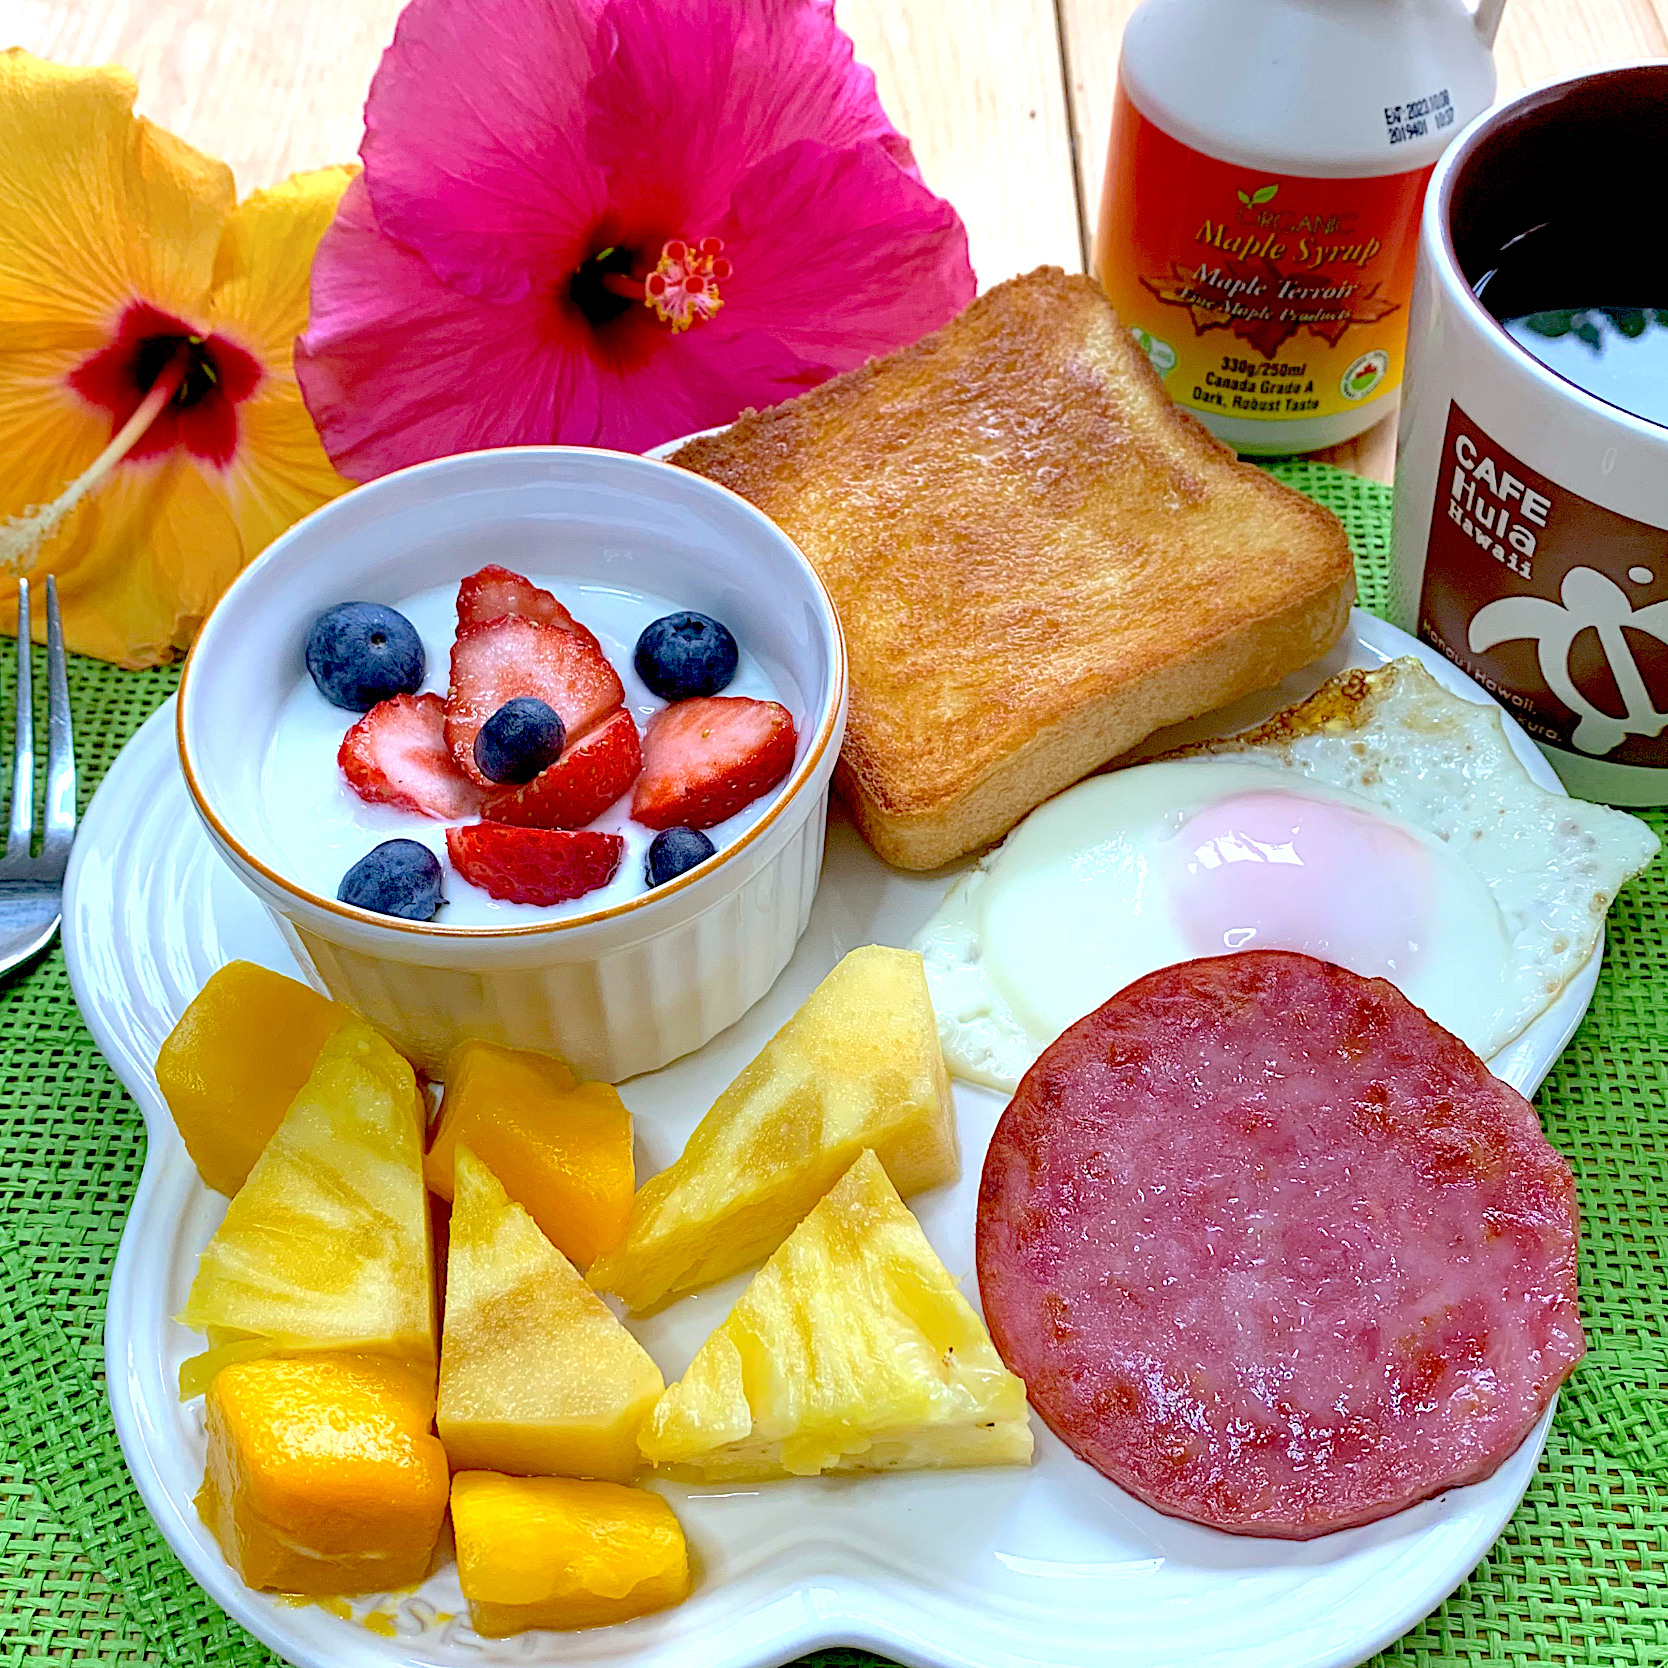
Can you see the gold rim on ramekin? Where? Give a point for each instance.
(393, 923)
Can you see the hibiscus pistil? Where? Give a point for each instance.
(152, 438)
(202, 417)
(673, 164)
(22, 535)
(683, 287)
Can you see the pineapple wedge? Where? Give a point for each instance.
(852, 1350)
(326, 1245)
(537, 1376)
(858, 1066)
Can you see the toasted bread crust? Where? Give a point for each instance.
(1037, 560)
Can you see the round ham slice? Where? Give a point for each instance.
(1274, 1252)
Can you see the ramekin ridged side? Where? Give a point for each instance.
(612, 1014)
(620, 990)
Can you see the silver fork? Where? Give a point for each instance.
(31, 886)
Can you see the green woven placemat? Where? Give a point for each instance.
(1580, 1576)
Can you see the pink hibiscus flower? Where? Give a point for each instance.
(611, 222)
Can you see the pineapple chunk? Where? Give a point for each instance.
(326, 1246)
(858, 1066)
(323, 1475)
(537, 1376)
(236, 1060)
(852, 1350)
(551, 1552)
(563, 1150)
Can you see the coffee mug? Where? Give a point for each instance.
(1531, 514)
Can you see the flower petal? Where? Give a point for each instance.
(141, 561)
(163, 575)
(474, 139)
(97, 206)
(696, 380)
(280, 472)
(884, 262)
(48, 435)
(881, 261)
(265, 258)
(695, 91)
(396, 368)
(147, 554)
(442, 318)
(101, 212)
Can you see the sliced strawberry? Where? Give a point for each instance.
(512, 656)
(704, 759)
(494, 592)
(534, 865)
(581, 785)
(397, 755)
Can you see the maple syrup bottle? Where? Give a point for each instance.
(1261, 205)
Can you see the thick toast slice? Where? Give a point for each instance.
(1037, 559)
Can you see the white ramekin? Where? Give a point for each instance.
(618, 991)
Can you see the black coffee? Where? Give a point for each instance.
(1619, 354)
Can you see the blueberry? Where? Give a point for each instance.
(674, 850)
(399, 877)
(519, 740)
(362, 652)
(686, 654)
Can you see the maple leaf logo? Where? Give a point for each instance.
(1366, 308)
(1182, 288)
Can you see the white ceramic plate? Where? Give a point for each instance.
(977, 1569)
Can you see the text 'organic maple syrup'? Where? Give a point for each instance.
(1264, 182)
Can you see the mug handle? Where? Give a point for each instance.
(1486, 19)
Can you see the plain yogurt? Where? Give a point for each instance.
(325, 827)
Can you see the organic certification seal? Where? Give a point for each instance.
(1364, 374)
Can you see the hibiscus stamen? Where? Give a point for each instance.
(22, 535)
(684, 286)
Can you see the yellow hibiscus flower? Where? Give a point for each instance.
(152, 437)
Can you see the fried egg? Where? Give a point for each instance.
(1385, 825)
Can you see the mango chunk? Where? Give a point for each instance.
(327, 1245)
(236, 1060)
(537, 1375)
(549, 1552)
(323, 1476)
(561, 1148)
(857, 1067)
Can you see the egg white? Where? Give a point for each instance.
(1080, 899)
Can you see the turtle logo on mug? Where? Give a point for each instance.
(1556, 605)
(1587, 599)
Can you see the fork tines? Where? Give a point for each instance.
(59, 827)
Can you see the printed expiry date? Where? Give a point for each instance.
(1419, 116)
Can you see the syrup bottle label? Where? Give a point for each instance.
(1271, 297)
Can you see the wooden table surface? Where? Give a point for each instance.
(1007, 102)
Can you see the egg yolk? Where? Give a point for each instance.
(1280, 871)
